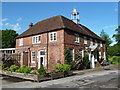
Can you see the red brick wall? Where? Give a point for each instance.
(65, 39)
(55, 49)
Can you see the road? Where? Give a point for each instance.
(98, 79)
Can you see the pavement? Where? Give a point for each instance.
(102, 78)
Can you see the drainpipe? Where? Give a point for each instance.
(47, 49)
(29, 57)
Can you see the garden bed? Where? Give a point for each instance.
(35, 77)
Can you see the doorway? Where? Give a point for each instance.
(41, 60)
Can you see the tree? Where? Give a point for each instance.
(117, 36)
(105, 37)
(8, 38)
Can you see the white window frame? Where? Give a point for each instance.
(32, 61)
(85, 40)
(52, 36)
(101, 45)
(91, 41)
(21, 42)
(77, 38)
(35, 39)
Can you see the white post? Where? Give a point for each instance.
(92, 62)
(104, 56)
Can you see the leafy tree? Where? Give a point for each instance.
(114, 50)
(108, 41)
(8, 38)
(105, 37)
(117, 36)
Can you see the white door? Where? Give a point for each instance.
(41, 60)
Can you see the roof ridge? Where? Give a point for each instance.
(62, 21)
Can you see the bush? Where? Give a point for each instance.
(85, 62)
(114, 59)
(27, 70)
(24, 69)
(3, 66)
(13, 68)
(62, 67)
(42, 71)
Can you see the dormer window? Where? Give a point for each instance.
(85, 40)
(53, 36)
(20, 41)
(36, 39)
(77, 39)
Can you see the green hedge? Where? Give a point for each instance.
(62, 67)
(114, 59)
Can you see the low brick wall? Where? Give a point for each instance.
(34, 77)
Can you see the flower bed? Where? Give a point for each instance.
(25, 72)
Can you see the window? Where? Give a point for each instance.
(101, 44)
(72, 53)
(33, 57)
(53, 36)
(96, 42)
(77, 40)
(85, 40)
(91, 42)
(42, 52)
(20, 41)
(36, 39)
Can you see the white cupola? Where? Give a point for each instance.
(75, 16)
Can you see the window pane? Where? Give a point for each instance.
(38, 38)
(33, 56)
(54, 36)
(51, 36)
(42, 52)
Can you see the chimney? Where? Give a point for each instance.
(30, 25)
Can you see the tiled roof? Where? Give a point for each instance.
(56, 23)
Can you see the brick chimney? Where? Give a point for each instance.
(30, 25)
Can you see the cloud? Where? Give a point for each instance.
(109, 26)
(15, 26)
(6, 24)
(5, 19)
(19, 19)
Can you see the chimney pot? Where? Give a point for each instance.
(30, 25)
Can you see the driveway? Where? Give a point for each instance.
(101, 79)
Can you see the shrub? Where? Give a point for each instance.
(59, 67)
(62, 67)
(7, 68)
(85, 62)
(114, 59)
(24, 69)
(3, 66)
(42, 71)
(13, 68)
(66, 67)
(27, 70)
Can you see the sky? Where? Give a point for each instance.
(94, 15)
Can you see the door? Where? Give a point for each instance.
(41, 60)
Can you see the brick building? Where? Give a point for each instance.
(44, 42)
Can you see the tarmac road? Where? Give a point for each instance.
(98, 79)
